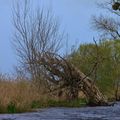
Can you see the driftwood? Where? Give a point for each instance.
(62, 74)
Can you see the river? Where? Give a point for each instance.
(85, 113)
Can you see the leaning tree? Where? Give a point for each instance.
(63, 74)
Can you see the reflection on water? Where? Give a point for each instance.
(87, 113)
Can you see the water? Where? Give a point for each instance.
(86, 113)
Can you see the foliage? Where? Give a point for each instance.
(107, 55)
(59, 103)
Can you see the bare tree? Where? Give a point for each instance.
(36, 32)
(107, 26)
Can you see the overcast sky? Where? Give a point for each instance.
(74, 16)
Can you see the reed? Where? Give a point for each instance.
(19, 96)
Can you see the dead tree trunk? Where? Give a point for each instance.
(62, 74)
(95, 97)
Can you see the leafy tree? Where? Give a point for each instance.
(109, 28)
(106, 73)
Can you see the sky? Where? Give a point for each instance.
(74, 16)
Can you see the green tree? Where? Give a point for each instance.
(103, 61)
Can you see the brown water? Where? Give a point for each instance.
(86, 113)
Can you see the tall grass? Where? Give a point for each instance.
(21, 95)
(18, 96)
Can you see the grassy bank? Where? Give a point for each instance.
(59, 103)
(22, 96)
(18, 96)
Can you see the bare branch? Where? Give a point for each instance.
(36, 32)
(107, 26)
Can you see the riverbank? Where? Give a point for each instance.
(12, 108)
(84, 113)
(20, 96)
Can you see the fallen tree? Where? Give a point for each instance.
(60, 73)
